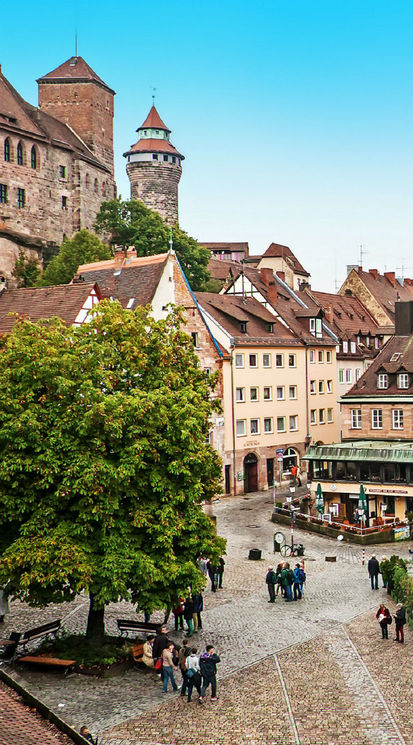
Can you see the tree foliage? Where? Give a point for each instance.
(26, 270)
(104, 461)
(83, 248)
(131, 223)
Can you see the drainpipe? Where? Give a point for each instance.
(307, 403)
(234, 476)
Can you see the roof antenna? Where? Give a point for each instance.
(153, 96)
(362, 253)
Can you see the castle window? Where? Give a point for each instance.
(173, 159)
(21, 198)
(165, 157)
(64, 203)
(19, 154)
(62, 171)
(7, 150)
(3, 193)
(33, 158)
(96, 186)
(154, 156)
(87, 181)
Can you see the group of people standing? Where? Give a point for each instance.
(168, 658)
(289, 582)
(385, 619)
(189, 610)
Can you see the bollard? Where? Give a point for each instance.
(363, 557)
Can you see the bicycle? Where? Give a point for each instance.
(293, 550)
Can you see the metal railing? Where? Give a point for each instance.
(344, 527)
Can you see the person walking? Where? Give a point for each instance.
(208, 666)
(198, 602)
(373, 568)
(271, 580)
(381, 567)
(168, 667)
(220, 572)
(193, 673)
(188, 614)
(384, 618)
(400, 619)
(287, 579)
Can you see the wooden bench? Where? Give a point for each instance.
(45, 661)
(137, 652)
(125, 626)
(39, 632)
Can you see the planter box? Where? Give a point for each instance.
(381, 536)
(105, 671)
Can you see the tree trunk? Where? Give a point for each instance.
(96, 621)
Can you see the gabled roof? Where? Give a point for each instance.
(153, 145)
(19, 117)
(223, 270)
(225, 246)
(231, 310)
(134, 278)
(385, 288)
(349, 316)
(367, 383)
(74, 70)
(153, 121)
(278, 250)
(64, 301)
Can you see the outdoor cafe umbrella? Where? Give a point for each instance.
(319, 500)
(362, 503)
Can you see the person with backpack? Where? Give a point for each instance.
(208, 666)
(299, 578)
(271, 580)
(193, 673)
(287, 580)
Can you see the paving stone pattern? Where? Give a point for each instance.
(20, 725)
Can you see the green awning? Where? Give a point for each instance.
(376, 451)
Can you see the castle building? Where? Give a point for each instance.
(154, 168)
(56, 161)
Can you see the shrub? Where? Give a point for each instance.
(85, 652)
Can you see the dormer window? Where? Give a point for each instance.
(345, 347)
(382, 381)
(270, 328)
(403, 380)
(243, 325)
(396, 356)
(316, 327)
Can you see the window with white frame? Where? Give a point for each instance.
(267, 393)
(330, 416)
(279, 360)
(348, 374)
(241, 427)
(253, 360)
(403, 380)
(239, 360)
(357, 374)
(321, 416)
(328, 356)
(313, 416)
(254, 393)
(355, 418)
(240, 395)
(329, 386)
(280, 423)
(293, 423)
(353, 347)
(345, 347)
(268, 425)
(316, 327)
(320, 355)
(382, 380)
(255, 426)
(397, 418)
(312, 356)
(321, 386)
(280, 393)
(376, 419)
(291, 360)
(312, 386)
(341, 375)
(266, 360)
(292, 391)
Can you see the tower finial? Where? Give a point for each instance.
(153, 96)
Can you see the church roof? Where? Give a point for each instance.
(75, 69)
(153, 121)
(153, 145)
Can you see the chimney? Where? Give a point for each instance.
(281, 275)
(391, 277)
(374, 273)
(404, 318)
(328, 311)
(267, 277)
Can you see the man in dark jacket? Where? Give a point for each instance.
(400, 618)
(373, 568)
(160, 643)
(198, 608)
(271, 580)
(208, 665)
(220, 572)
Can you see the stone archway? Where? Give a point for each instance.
(250, 472)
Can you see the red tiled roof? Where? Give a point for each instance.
(367, 383)
(386, 291)
(20, 725)
(74, 69)
(350, 317)
(64, 301)
(276, 249)
(223, 270)
(153, 145)
(226, 246)
(153, 121)
(138, 279)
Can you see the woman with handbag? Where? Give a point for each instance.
(193, 674)
(384, 618)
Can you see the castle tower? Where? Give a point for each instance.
(154, 168)
(75, 95)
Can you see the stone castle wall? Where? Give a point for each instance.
(155, 183)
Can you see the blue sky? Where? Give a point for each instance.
(295, 116)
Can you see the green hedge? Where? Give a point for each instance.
(399, 584)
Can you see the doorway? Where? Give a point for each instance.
(227, 479)
(250, 473)
(270, 471)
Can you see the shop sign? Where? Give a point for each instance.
(402, 534)
(386, 491)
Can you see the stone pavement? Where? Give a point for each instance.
(20, 725)
(306, 637)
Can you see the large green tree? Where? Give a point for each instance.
(82, 248)
(104, 461)
(131, 223)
